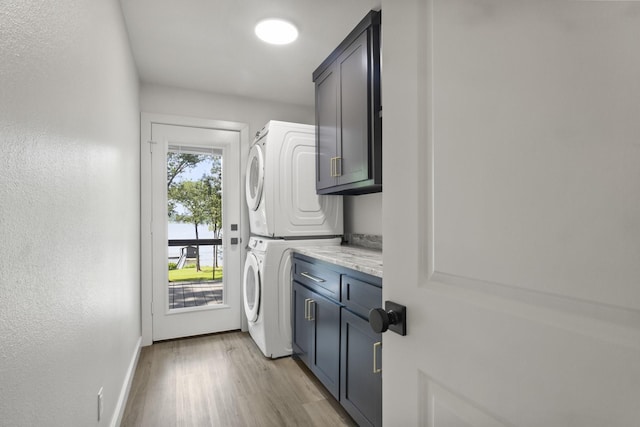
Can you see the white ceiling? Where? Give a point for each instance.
(209, 45)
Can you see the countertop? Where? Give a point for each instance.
(360, 259)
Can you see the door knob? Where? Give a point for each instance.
(392, 317)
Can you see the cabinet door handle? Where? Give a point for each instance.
(311, 306)
(307, 309)
(376, 370)
(334, 166)
(314, 278)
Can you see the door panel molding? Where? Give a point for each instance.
(613, 260)
(441, 407)
(616, 323)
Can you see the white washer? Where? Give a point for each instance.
(267, 291)
(281, 185)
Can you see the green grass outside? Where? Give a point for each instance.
(190, 274)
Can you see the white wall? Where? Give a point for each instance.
(256, 113)
(69, 192)
(363, 214)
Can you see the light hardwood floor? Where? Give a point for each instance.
(224, 380)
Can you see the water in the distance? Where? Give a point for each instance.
(187, 231)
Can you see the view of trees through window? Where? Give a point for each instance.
(194, 206)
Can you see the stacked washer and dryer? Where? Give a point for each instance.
(284, 213)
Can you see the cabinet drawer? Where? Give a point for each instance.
(322, 280)
(359, 296)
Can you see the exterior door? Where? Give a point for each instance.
(514, 170)
(183, 308)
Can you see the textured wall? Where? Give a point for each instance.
(69, 211)
(255, 113)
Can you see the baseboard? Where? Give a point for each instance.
(126, 386)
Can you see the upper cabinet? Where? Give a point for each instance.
(349, 114)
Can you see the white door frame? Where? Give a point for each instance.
(146, 121)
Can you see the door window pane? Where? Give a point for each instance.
(194, 227)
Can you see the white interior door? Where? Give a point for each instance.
(193, 306)
(515, 173)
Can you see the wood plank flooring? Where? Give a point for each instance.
(224, 380)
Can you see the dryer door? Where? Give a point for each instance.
(251, 287)
(255, 177)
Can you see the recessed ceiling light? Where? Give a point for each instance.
(276, 31)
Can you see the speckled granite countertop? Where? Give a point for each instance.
(365, 260)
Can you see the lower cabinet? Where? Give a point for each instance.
(332, 336)
(360, 370)
(302, 328)
(316, 335)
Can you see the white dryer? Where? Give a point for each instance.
(281, 185)
(267, 291)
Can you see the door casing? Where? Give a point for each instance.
(146, 122)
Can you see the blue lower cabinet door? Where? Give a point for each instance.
(325, 315)
(361, 370)
(302, 328)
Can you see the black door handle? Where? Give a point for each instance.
(393, 317)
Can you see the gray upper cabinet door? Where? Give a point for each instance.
(348, 114)
(353, 140)
(327, 130)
